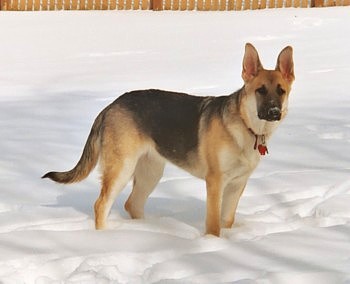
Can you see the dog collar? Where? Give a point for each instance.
(262, 148)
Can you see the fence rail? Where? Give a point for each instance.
(157, 5)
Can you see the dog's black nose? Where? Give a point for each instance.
(274, 113)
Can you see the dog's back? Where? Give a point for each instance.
(170, 119)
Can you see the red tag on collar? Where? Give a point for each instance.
(262, 149)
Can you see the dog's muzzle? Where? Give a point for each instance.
(272, 114)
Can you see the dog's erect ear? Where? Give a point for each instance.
(251, 63)
(285, 64)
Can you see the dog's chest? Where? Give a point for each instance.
(239, 157)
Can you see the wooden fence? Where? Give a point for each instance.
(157, 5)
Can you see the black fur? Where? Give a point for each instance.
(170, 119)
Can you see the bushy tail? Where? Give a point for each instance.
(88, 159)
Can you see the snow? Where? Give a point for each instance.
(58, 70)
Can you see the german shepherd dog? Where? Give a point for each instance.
(218, 139)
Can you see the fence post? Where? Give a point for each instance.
(3, 5)
(156, 5)
(316, 3)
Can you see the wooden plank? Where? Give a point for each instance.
(52, 5)
(272, 4)
(191, 5)
(89, 5)
(318, 3)
(297, 4)
(36, 5)
(97, 4)
(263, 4)
(30, 5)
(255, 5)
(157, 5)
(279, 3)
(246, 5)
(59, 4)
(231, 5)
(215, 5)
(238, 5)
(167, 5)
(145, 5)
(346, 3)
(304, 3)
(338, 2)
(288, 3)
(222, 5)
(104, 5)
(22, 5)
(200, 5)
(136, 5)
(17, 5)
(13, 5)
(44, 5)
(330, 3)
(9, 5)
(66, 4)
(183, 5)
(74, 5)
(112, 4)
(175, 5)
(82, 5)
(128, 4)
(3, 5)
(207, 6)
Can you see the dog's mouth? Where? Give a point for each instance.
(270, 119)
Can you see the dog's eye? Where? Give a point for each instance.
(280, 91)
(262, 90)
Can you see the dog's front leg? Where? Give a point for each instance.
(231, 196)
(214, 200)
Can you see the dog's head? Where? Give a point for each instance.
(266, 91)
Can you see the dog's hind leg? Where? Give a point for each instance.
(121, 147)
(148, 172)
(114, 179)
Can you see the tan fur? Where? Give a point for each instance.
(122, 147)
(228, 168)
(224, 157)
(215, 139)
(148, 172)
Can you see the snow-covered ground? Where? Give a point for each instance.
(59, 69)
